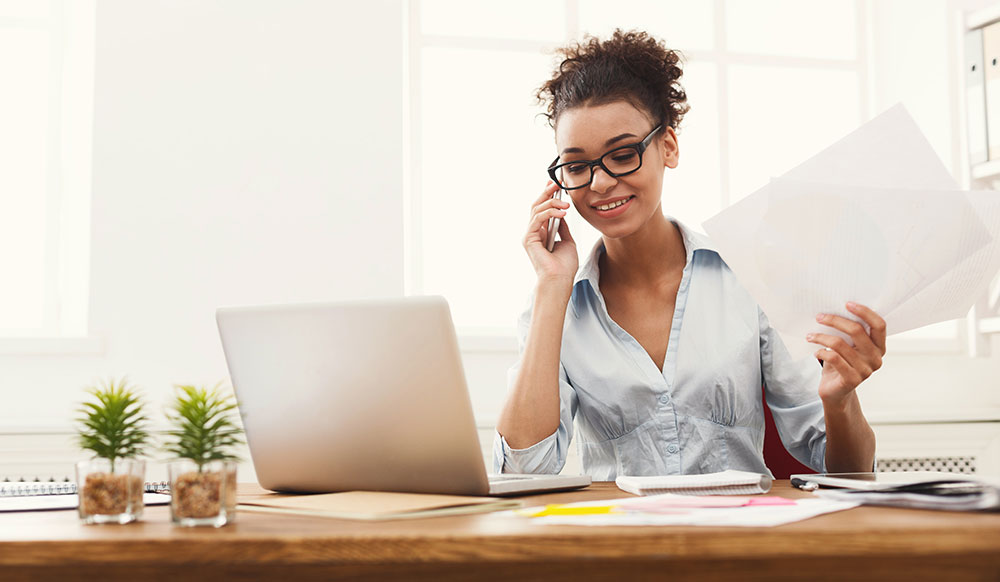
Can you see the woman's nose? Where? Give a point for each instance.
(602, 181)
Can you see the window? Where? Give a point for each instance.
(474, 69)
(46, 63)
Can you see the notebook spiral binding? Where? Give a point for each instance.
(27, 489)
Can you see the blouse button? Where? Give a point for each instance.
(672, 448)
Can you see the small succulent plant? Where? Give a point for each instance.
(113, 426)
(203, 428)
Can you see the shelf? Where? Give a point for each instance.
(983, 170)
(989, 325)
(47, 346)
(955, 416)
(980, 18)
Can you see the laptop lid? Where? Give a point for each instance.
(364, 395)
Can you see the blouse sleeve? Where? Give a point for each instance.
(548, 455)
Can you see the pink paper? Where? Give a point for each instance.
(669, 503)
(770, 500)
(682, 501)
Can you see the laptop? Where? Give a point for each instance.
(365, 395)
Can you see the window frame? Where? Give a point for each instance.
(70, 25)
(491, 340)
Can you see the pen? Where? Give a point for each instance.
(804, 485)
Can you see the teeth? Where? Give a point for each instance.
(613, 204)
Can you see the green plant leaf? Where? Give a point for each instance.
(203, 429)
(113, 426)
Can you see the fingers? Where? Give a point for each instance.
(549, 204)
(550, 189)
(845, 352)
(874, 321)
(540, 220)
(863, 342)
(865, 356)
(545, 208)
(833, 359)
(538, 227)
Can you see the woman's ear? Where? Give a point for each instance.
(668, 148)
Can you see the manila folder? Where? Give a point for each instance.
(370, 505)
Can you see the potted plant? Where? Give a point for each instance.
(110, 485)
(203, 478)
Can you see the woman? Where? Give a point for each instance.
(653, 347)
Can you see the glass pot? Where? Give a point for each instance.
(110, 492)
(201, 496)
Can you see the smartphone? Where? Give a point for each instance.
(550, 242)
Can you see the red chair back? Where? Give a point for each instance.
(778, 460)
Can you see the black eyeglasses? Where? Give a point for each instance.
(620, 161)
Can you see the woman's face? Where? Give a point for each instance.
(587, 133)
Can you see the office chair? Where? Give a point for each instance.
(778, 460)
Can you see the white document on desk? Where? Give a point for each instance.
(874, 219)
(759, 516)
(67, 501)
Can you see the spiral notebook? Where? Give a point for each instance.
(722, 483)
(46, 495)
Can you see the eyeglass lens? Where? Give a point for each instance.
(577, 175)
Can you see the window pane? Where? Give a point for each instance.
(24, 66)
(24, 8)
(485, 152)
(794, 28)
(681, 24)
(514, 19)
(781, 116)
(692, 191)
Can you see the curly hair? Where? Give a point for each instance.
(632, 66)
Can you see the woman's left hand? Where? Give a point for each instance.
(846, 366)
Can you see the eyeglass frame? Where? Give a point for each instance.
(640, 148)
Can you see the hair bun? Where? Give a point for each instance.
(630, 65)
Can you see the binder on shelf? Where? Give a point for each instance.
(975, 96)
(991, 62)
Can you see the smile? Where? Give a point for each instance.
(613, 204)
(612, 209)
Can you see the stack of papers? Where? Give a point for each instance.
(955, 495)
(875, 219)
(722, 483)
(671, 509)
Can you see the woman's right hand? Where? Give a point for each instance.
(563, 261)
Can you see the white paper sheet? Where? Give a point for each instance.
(889, 151)
(67, 501)
(874, 219)
(762, 516)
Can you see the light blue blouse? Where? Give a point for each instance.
(703, 413)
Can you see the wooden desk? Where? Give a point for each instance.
(866, 542)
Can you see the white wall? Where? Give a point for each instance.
(245, 151)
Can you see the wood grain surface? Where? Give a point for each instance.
(860, 543)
